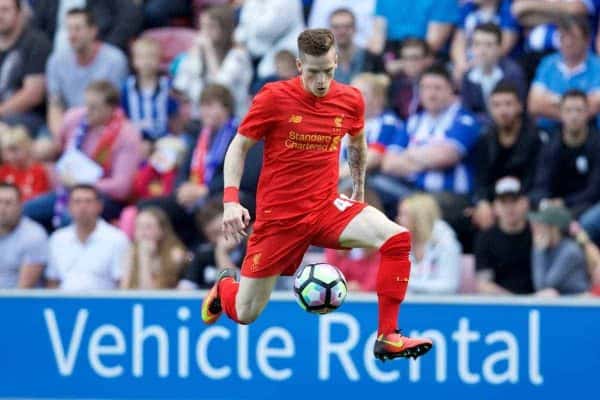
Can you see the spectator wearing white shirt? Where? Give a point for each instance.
(436, 252)
(23, 243)
(88, 254)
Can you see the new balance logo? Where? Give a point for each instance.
(295, 119)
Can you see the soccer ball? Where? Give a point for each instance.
(320, 288)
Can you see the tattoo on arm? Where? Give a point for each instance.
(357, 160)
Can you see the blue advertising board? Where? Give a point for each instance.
(153, 346)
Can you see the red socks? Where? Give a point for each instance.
(392, 280)
(228, 289)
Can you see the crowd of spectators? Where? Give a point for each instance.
(482, 121)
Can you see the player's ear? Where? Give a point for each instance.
(299, 65)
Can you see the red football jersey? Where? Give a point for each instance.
(302, 135)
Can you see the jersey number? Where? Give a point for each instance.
(342, 204)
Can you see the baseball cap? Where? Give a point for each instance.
(553, 215)
(508, 186)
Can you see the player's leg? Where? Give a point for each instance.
(372, 229)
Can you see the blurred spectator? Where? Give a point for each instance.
(201, 173)
(559, 265)
(382, 126)
(414, 57)
(214, 59)
(159, 13)
(267, 26)
(503, 253)
(432, 20)
(118, 21)
(363, 10)
(71, 70)
(433, 153)
(435, 253)
(100, 146)
(145, 96)
(23, 243)
(568, 171)
(23, 55)
(352, 59)
(472, 14)
(88, 254)
(156, 257)
(216, 253)
(488, 69)
(574, 67)
(592, 254)
(285, 68)
(509, 148)
(18, 166)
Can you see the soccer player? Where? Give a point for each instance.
(302, 121)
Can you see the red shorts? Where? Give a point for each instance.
(277, 247)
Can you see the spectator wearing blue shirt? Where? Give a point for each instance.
(382, 126)
(432, 20)
(145, 96)
(489, 68)
(573, 67)
(472, 14)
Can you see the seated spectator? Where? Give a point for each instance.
(201, 173)
(216, 253)
(433, 153)
(156, 257)
(509, 148)
(488, 69)
(23, 55)
(435, 252)
(18, 166)
(573, 67)
(71, 70)
(99, 146)
(472, 14)
(118, 20)
(568, 171)
(145, 96)
(89, 253)
(352, 59)
(559, 265)
(363, 10)
(23, 243)
(382, 126)
(414, 57)
(214, 59)
(431, 20)
(592, 255)
(285, 68)
(503, 253)
(267, 26)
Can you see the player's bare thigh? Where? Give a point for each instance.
(252, 297)
(369, 229)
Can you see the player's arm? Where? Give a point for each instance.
(357, 162)
(235, 217)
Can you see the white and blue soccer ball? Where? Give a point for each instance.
(320, 288)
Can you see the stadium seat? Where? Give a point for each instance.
(173, 41)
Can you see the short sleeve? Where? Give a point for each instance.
(36, 250)
(52, 78)
(261, 116)
(543, 73)
(445, 12)
(464, 133)
(594, 85)
(358, 122)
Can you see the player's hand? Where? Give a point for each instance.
(235, 220)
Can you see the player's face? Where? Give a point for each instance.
(505, 109)
(317, 71)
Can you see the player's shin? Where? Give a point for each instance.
(392, 280)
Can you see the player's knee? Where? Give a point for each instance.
(396, 244)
